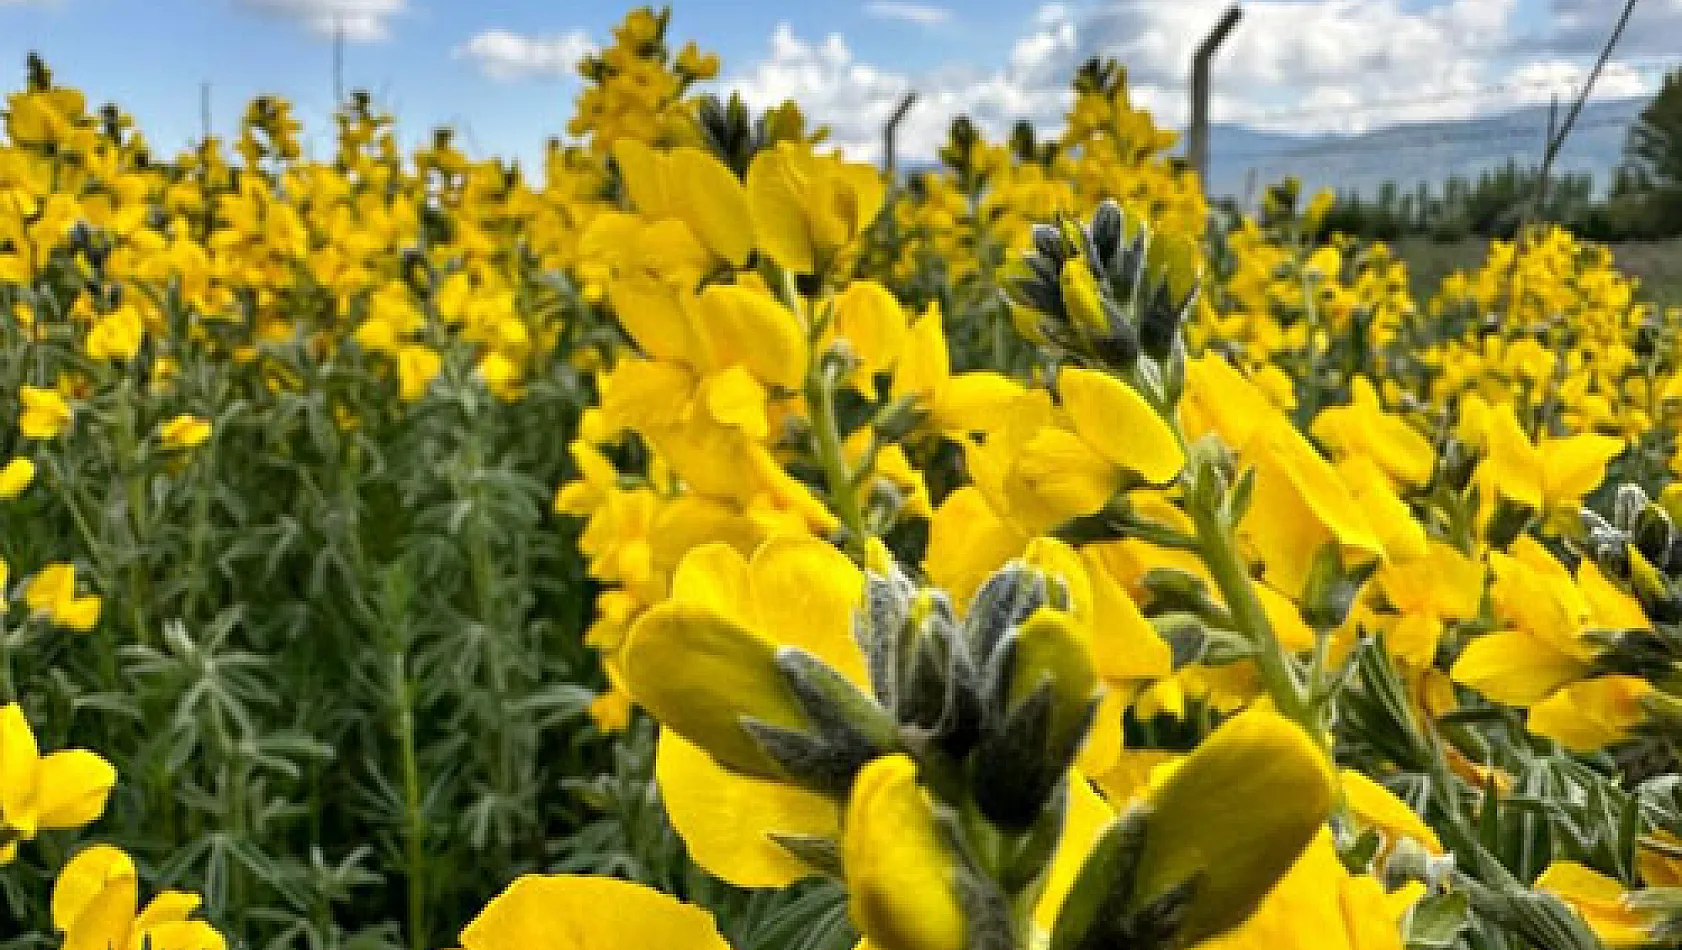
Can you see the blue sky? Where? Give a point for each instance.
(495, 68)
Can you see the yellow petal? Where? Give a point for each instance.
(1299, 504)
(1601, 902)
(1376, 806)
(51, 586)
(1124, 644)
(1592, 714)
(168, 907)
(901, 879)
(1574, 466)
(777, 194)
(1115, 420)
(78, 613)
(642, 170)
(15, 477)
(1515, 668)
(1085, 819)
(1204, 820)
(94, 899)
(755, 330)
(74, 787)
(710, 198)
(182, 935)
(727, 820)
(967, 542)
(715, 576)
(924, 364)
(1058, 477)
(1512, 466)
(735, 398)
(973, 403)
(572, 912)
(20, 764)
(656, 319)
(701, 674)
(805, 594)
(1318, 905)
(417, 367)
(872, 322)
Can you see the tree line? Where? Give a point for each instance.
(1643, 203)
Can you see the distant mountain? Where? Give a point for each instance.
(1243, 160)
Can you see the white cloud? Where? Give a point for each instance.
(1312, 64)
(1301, 66)
(359, 20)
(1543, 80)
(922, 14)
(856, 98)
(511, 56)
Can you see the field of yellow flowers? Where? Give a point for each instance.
(705, 542)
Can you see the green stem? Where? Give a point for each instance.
(8, 685)
(1220, 555)
(820, 397)
(414, 826)
(128, 457)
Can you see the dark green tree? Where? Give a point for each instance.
(1654, 147)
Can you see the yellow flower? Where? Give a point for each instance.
(417, 366)
(874, 325)
(957, 405)
(500, 375)
(1319, 905)
(45, 413)
(691, 61)
(184, 432)
(690, 186)
(15, 477)
(574, 912)
(1591, 714)
(806, 208)
(901, 876)
(52, 591)
(705, 660)
(96, 905)
(1363, 427)
(1602, 903)
(1112, 418)
(66, 789)
(1203, 822)
(611, 710)
(1426, 593)
(116, 336)
(1550, 476)
(1300, 505)
(1543, 648)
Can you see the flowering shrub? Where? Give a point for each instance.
(707, 542)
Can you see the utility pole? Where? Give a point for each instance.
(1197, 137)
(892, 127)
(204, 111)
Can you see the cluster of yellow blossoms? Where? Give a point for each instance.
(1039, 556)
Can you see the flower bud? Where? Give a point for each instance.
(1082, 299)
(1041, 708)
